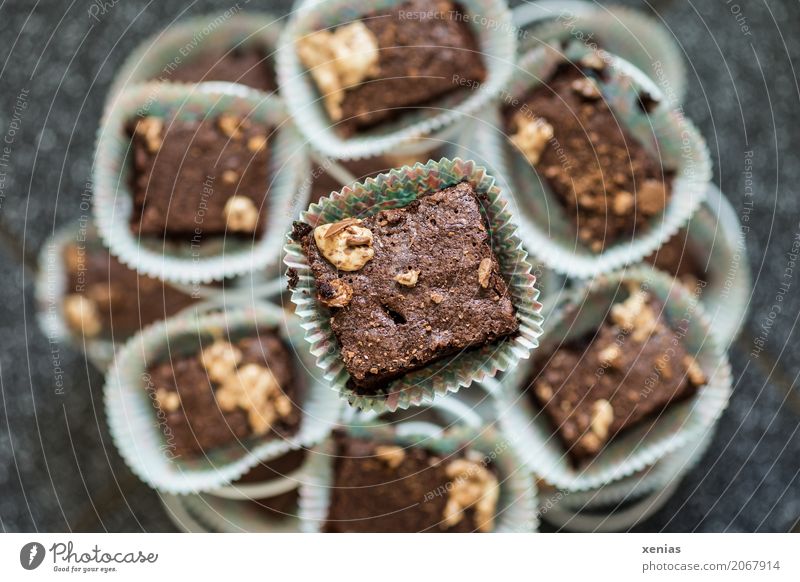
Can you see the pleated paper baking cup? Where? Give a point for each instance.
(716, 243)
(216, 257)
(135, 423)
(396, 189)
(160, 54)
(639, 39)
(50, 291)
(235, 516)
(666, 133)
(517, 505)
(491, 23)
(664, 473)
(681, 424)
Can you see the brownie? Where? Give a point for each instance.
(371, 70)
(195, 179)
(324, 183)
(679, 258)
(629, 370)
(244, 65)
(104, 298)
(608, 183)
(226, 392)
(380, 488)
(409, 286)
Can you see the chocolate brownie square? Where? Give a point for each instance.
(227, 392)
(373, 69)
(242, 64)
(381, 488)
(409, 286)
(633, 367)
(104, 298)
(609, 184)
(194, 179)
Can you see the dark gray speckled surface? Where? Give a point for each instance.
(58, 469)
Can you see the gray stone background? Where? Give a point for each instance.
(60, 472)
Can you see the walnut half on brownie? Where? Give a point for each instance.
(409, 286)
(227, 392)
(631, 368)
(373, 69)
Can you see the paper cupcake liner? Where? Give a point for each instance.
(680, 425)
(715, 232)
(133, 418)
(547, 231)
(517, 506)
(491, 22)
(220, 257)
(669, 470)
(642, 41)
(232, 516)
(50, 289)
(157, 55)
(396, 189)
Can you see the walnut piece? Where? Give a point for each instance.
(593, 61)
(257, 143)
(533, 134)
(408, 279)
(346, 244)
(150, 129)
(622, 203)
(602, 417)
(609, 355)
(82, 315)
(230, 125)
(391, 455)
(168, 400)
(586, 87)
(437, 297)
(651, 197)
(634, 315)
(473, 485)
(220, 360)
(338, 60)
(241, 214)
(694, 372)
(335, 293)
(543, 390)
(485, 272)
(254, 389)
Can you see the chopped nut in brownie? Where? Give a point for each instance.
(608, 183)
(195, 179)
(631, 368)
(411, 285)
(387, 488)
(373, 69)
(227, 392)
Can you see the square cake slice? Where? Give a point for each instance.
(226, 392)
(409, 286)
(195, 179)
(381, 488)
(633, 367)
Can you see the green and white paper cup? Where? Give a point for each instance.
(517, 505)
(682, 424)
(666, 133)
(135, 421)
(639, 39)
(396, 189)
(219, 257)
(491, 23)
(178, 44)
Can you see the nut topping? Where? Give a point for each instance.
(82, 315)
(348, 247)
(652, 197)
(241, 214)
(257, 143)
(150, 129)
(252, 388)
(335, 293)
(602, 417)
(229, 125)
(587, 88)
(473, 485)
(408, 279)
(168, 400)
(437, 297)
(485, 272)
(220, 360)
(694, 372)
(391, 455)
(338, 60)
(532, 137)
